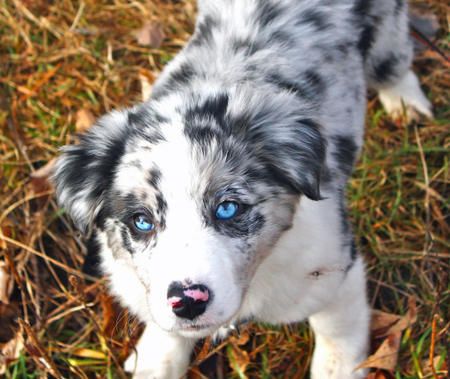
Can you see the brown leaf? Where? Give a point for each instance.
(84, 120)
(386, 355)
(151, 34)
(384, 324)
(382, 321)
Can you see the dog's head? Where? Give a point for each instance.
(187, 195)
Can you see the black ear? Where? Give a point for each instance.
(85, 171)
(294, 155)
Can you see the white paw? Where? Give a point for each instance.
(405, 98)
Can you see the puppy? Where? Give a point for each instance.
(222, 197)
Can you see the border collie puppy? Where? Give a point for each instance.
(221, 199)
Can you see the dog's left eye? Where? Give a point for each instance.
(142, 223)
(227, 210)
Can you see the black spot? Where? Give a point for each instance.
(314, 83)
(315, 18)
(282, 38)
(368, 24)
(345, 152)
(204, 32)
(343, 215)
(154, 178)
(310, 85)
(161, 210)
(203, 135)
(284, 84)
(353, 250)
(177, 78)
(125, 234)
(145, 115)
(399, 4)
(295, 163)
(199, 119)
(245, 45)
(91, 265)
(385, 69)
(267, 12)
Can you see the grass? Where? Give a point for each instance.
(59, 58)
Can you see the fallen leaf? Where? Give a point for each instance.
(382, 321)
(386, 355)
(84, 120)
(151, 34)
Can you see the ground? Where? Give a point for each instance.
(64, 63)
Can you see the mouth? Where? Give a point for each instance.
(194, 327)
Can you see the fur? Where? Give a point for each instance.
(264, 106)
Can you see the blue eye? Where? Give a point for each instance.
(142, 223)
(226, 210)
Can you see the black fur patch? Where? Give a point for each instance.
(145, 115)
(267, 12)
(154, 178)
(178, 78)
(125, 234)
(345, 153)
(399, 4)
(204, 32)
(200, 119)
(247, 224)
(385, 69)
(368, 23)
(91, 265)
(311, 85)
(305, 151)
(315, 18)
(245, 45)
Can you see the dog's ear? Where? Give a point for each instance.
(294, 155)
(85, 171)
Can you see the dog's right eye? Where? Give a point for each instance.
(142, 223)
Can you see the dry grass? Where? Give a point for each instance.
(57, 58)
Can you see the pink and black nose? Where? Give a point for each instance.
(188, 302)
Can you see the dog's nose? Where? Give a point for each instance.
(188, 302)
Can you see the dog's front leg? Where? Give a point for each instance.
(160, 355)
(342, 330)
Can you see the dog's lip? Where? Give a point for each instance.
(195, 327)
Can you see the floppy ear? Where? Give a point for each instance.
(85, 171)
(294, 155)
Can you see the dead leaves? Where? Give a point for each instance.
(389, 327)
